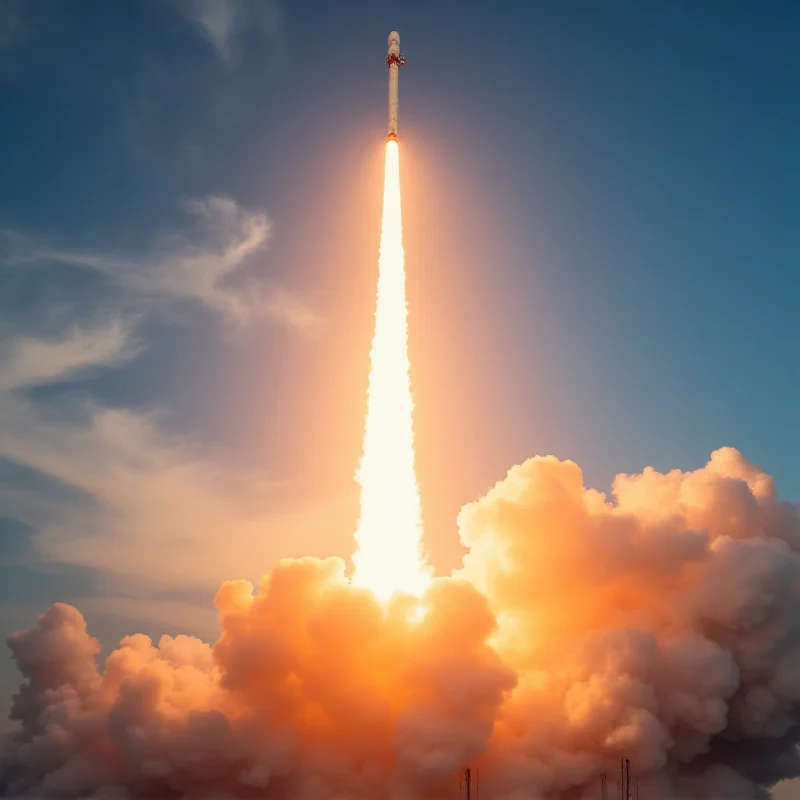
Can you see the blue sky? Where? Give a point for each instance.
(602, 238)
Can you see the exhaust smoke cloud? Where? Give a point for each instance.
(661, 624)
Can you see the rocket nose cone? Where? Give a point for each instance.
(394, 37)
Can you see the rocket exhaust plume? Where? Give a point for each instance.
(389, 534)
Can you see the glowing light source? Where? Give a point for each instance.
(389, 554)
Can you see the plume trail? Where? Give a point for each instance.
(389, 535)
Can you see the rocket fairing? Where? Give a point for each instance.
(395, 60)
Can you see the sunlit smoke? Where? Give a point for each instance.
(389, 550)
(659, 624)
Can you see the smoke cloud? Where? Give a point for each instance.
(661, 624)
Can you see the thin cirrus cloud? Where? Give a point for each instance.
(148, 504)
(205, 272)
(29, 362)
(222, 22)
(140, 500)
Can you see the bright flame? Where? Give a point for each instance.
(389, 537)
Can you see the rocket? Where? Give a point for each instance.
(395, 60)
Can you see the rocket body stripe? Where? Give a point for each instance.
(392, 57)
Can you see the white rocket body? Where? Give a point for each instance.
(394, 60)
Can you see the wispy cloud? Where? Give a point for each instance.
(206, 271)
(222, 22)
(33, 362)
(149, 504)
(144, 502)
(127, 496)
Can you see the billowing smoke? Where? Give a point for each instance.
(662, 625)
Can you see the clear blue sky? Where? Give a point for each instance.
(602, 234)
